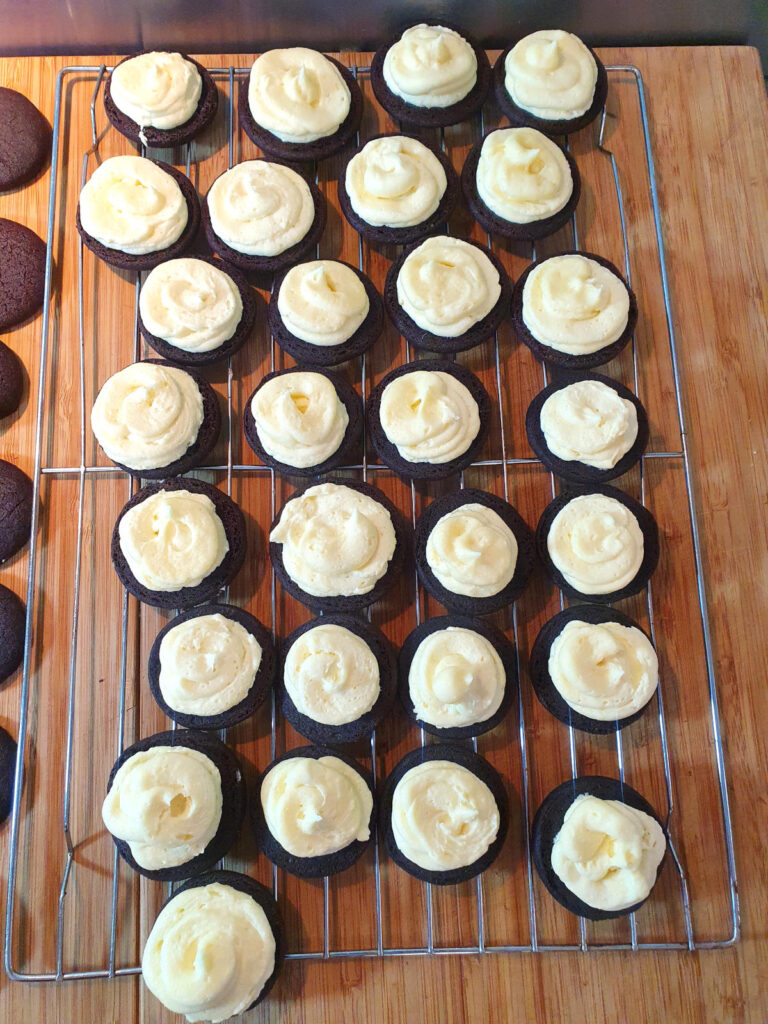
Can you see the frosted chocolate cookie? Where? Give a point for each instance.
(337, 679)
(594, 668)
(303, 422)
(15, 509)
(212, 666)
(431, 75)
(520, 184)
(13, 622)
(325, 312)
(299, 104)
(7, 772)
(598, 847)
(313, 811)
(552, 81)
(160, 99)
(11, 381)
(175, 803)
(263, 216)
(22, 273)
(25, 140)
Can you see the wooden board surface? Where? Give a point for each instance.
(706, 136)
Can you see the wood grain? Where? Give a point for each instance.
(709, 135)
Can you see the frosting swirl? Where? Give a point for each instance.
(322, 302)
(210, 953)
(472, 551)
(190, 304)
(587, 421)
(552, 74)
(172, 540)
(314, 806)
(297, 94)
(331, 675)
(395, 181)
(156, 90)
(131, 204)
(299, 417)
(522, 176)
(336, 541)
(147, 416)
(596, 543)
(429, 416)
(260, 208)
(430, 66)
(443, 816)
(166, 803)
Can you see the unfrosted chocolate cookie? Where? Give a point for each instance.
(7, 772)
(25, 139)
(11, 381)
(15, 509)
(13, 620)
(22, 273)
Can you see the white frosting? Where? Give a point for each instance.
(551, 74)
(456, 678)
(156, 90)
(607, 853)
(210, 953)
(522, 176)
(131, 204)
(472, 551)
(207, 664)
(429, 416)
(297, 94)
(588, 422)
(395, 181)
(314, 806)
(443, 816)
(322, 302)
(331, 675)
(606, 671)
(299, 418)
(147, 416)
(165, 802)
(172, 539)
(447, 285)
(596, 543)
(430, 66)
(336, 541)
(260, 208)
(190, 304)
(574, 304)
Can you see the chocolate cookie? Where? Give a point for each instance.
(13, 621)
(548, 822)
(22, 273)
(262, 681)
(15, 509)
(7, 772)
(25, 140)
(166, 138)
(11, 381)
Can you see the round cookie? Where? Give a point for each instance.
(465, 757)
(496, 225)
(11, 381)
(549, 820)
(329, 355)
(13, 624)
(22, 273)
(546, 691)
(15, 509)
(7, 772)
(25, 140)
(432, 117)
(362, 727)
(251, 302)
(234, 527)
(165, 138)
(308, 867)
(588, 360)
(574, 471)
(262, 682)
(505, 650)
(387, 451)
(320, 148)
(346, 450)
(233, 800)
(147, 261)
(650, 541)
(461, 604)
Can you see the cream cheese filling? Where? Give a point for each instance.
(156, 90)
(551, 74)
(522, 176)
(299, 418)
(472, 551)
(589, 422)
(395, 181)
(322, 302)
(430, 66)
(429, 416)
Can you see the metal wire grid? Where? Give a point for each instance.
(364, 468)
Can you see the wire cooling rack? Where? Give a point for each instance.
(66, 943)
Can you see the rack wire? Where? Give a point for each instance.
(365, 469)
